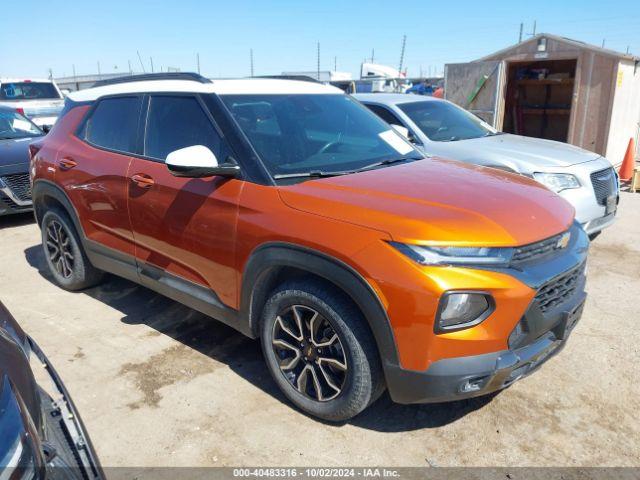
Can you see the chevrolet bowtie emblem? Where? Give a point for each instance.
(563, 241)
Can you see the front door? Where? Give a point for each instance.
(184, 228)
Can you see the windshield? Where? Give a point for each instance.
(445, 122)
(13, 125)
(325, 133)
(28, 91)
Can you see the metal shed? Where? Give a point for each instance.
(556, 88)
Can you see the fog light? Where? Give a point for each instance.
(460, 310)
(473, 385)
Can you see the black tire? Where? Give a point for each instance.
(75, 271)
(362, 382)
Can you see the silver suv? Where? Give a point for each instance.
(438, 127)
(38, 99)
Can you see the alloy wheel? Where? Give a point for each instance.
(309, 353)
(59, 249)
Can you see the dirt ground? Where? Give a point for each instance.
(159, 384)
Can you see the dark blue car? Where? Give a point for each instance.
(41, 434)
(16, 133)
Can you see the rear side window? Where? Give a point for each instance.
(178, 122)
(384, 114)
(114, 124)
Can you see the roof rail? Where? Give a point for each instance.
(195, 77)
(300, 78)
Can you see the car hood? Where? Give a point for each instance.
(13, 152)
(438, 201)
(522, 154)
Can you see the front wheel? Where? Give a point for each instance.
(320, 351)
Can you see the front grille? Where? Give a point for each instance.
(536, 250)
(19, 185)
(8, 202)
(559, 290)
(604, 184)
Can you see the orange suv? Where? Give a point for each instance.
(290, 212)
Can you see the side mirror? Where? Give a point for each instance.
(197, 162)
(404, 131)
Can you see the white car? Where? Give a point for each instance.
(438, 127)
(38, 99)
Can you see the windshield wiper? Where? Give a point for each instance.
(388, 161)
(312, 173)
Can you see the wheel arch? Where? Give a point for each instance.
(271, 263)
(46, 194)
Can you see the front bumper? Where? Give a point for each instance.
(591, 211)
(540, 333)
(466, 377)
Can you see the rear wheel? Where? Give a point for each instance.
(319, 350)
(64, 255)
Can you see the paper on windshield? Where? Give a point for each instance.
(396, 142)
(21, 125)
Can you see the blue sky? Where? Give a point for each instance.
(283, 34)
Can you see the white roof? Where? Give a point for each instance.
(222, 87)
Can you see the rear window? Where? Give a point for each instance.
(114, 123)
(28, 91)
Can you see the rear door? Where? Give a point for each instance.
(184, 228)
(92, 168)
(477, 87)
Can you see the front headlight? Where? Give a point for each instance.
(557, 181)
(494, 256)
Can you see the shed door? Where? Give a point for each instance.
(477, 87)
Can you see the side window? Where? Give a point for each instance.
(385, 114)
(114, 124)
(179, 122)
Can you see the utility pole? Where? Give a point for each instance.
(318, 63)
(141, 64)
(251, 60)
(335, 62)
(603, 41)
(51, 73)
(372, 54)
(520, 35)
(151, 59)
(99, 74)
(73, 67)
(627, 49)
(198, 62)
(404, 43)
(130, 71)
(533, 34)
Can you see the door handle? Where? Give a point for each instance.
(142, 181)
(67, 163)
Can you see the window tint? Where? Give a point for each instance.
(442, 121)
(385, 114)
(178, 122)
(114, 124)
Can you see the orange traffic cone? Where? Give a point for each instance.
(626, 169)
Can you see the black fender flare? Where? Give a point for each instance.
(268, 258)
(45, 188)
